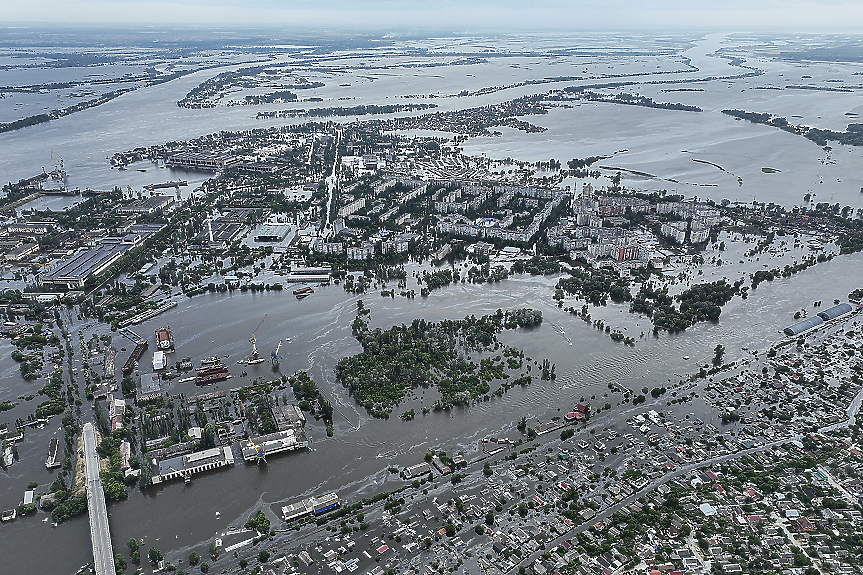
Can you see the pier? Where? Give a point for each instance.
(103, 554)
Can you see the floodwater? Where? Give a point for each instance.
(658, 142)
(176, 517)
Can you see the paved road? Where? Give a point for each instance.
(851, 412)
(103, 554)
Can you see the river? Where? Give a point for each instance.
(177, 516)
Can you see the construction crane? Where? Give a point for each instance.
(274, 357)
(254, 339)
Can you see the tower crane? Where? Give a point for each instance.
(253, 340)
(274, 357)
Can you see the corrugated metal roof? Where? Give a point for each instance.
(803, 325)
(835, 311)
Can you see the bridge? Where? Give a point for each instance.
(103, 554)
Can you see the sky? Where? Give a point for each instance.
(451, 15)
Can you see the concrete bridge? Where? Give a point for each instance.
(103, 554)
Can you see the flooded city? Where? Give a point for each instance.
(660, 266)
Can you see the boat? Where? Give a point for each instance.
(212, 370)
(177, 184)
(165, 340)
(212, 378)
(159, 361)
(210, 362)
(8, 515)
(304, 291)
(255, 361)
(51, 460)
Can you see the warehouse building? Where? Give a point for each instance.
(802, 326)
(73, 272)
(835, 311)
(202, 160)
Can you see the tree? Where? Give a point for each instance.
(718, 353)
(263, 555)
(489, 518)
(119, 563)
(193, 558)
(450, 530)
(204, 567)
(154, 555)
(259, 522)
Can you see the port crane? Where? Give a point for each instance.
(274, 357)
(59, 171)
(254, 339)
(260, 454)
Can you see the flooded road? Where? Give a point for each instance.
(175, 516)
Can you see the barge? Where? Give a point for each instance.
(140, 347)
(165, 340)
(212, 370)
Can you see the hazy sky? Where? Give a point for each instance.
(456, 15)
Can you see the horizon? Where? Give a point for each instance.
(471, 16)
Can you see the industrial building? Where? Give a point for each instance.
(272, 233)
(146, 205)
(316, 505)
(223, 233)
(209, 161)
(279, 442)
(802, 326)
(191, 463)
(288, 417)
(72, 273)
(835, 311)
(815, 320)
(417, 470)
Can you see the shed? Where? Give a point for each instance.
(803, 325)
(835, 311)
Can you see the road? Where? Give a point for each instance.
(851, 412)
(332, 183)
(103, 554)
